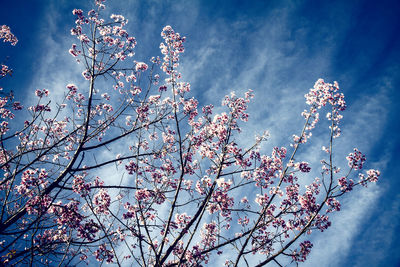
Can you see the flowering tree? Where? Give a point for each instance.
(183, 191)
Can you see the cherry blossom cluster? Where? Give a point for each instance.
(88, 230)
(7, 35)
(269, 167)
(171, 48)
(319, 96)
(303, 166)
(107, 38)
(208, 234)
(4, 127)
(38, 204)
(4, 70)
(67, 215)
(372, 176)
(41, 93)
(333, 204)
(181, 220)
(356, 159)
(80, 186)
(141, 66)
(31, 180)
(346, 184)
(221, 201)
(308, 201)
(39, 108)
(100, 3)
(323, 93)
(49, 236)
(102, 202)
(4, 108)
(103, 253)
(238, 105)
(305, 249)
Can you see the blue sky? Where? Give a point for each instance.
(278, 49)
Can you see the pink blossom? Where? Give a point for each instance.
(372, 176)
(5, 70)
(141, 66)
(73, 51)
(102, 253)
(41, 93)
(102, 202)
(305, 249)
(88, 230)
(356, 159)
(182, 220)
(209, 234)
(7, 35)
(79, 186)
(86, 74)
(131, 167)
(162, 88)
(303, 166)
(333, 204)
